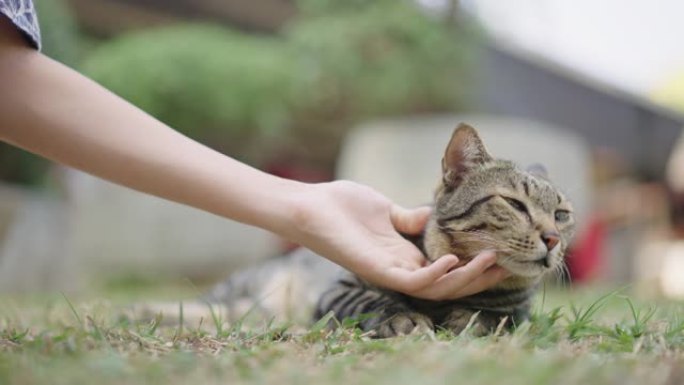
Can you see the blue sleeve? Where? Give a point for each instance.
(23, 14)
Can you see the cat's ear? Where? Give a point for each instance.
(464, 153)
(538, 170)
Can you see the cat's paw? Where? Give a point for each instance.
(404, 324)
(476, 323)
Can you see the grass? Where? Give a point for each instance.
(572, 338)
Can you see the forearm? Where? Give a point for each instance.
(50, 110)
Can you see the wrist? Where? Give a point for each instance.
(318, 219)
(299, 213)
(287, 208)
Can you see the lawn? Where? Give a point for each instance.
(575, 337)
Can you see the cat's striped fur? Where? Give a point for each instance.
(481, 203)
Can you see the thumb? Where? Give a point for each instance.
(409, 221)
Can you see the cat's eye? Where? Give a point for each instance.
(562, 216)
(516, 204)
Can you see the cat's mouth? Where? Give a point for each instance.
(544, 261)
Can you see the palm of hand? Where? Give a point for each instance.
(358, 228)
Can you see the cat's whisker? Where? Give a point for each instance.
(565, 272)
(476, 236)
(479, 241)
(493, 246)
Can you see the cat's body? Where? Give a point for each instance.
(481, 203)
(285, 288)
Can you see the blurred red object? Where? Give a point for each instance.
(584, 261)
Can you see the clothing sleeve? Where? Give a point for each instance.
(23, 14)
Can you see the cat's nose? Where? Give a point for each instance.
(550, 239)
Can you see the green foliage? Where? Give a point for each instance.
(338, 63)
(374, 58)
(60, 35)
(214, 84)
(21, 167)
(581, 322)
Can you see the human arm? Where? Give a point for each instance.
(55, 112)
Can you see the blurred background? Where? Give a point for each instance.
(370, 91)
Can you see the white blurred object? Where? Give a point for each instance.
(659, 267)
(675, 166)
(672, 272)
(629, 44)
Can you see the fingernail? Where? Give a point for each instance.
(448, 256)
(488, 255)
(503, 273)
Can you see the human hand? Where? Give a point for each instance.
(358, 228)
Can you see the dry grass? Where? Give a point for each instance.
(573, 338)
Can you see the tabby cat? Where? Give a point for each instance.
(481, 203)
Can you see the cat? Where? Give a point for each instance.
(481, 203)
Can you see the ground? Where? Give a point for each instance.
(592, 336)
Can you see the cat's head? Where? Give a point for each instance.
(486, 203)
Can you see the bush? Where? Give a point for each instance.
(381, 58)
(61, 38)
(219, 86)
(335, 64)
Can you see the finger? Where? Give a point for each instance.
(408, 282)
(488, 279)
(479, 264)
(409, 221)
(449, 286)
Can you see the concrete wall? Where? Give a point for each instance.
(101, 231)
(34, 242)
(117, 229)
